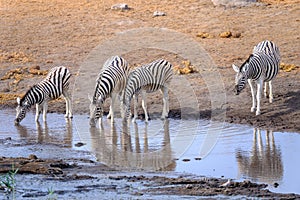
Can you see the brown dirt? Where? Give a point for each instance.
(46, 34)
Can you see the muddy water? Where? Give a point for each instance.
(194, 147)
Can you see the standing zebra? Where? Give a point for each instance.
(146, 79)
(53, 86)
(110, 83)
(261, 66)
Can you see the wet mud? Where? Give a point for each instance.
(87, 176)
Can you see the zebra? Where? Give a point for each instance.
(53, 86)
(110, 82)
(146, 79)
(262, 66)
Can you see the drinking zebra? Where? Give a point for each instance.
(261, 66)
(53, 86)
(111, 82)
(146, 79)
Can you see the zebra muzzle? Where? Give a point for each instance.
(236, 90)
(17, 122)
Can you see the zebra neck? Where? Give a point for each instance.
(98, 98)
(253, 72)
(34, 96)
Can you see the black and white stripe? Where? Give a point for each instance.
(111, 82)
(53, 86)
(146, 79)
(262, 66)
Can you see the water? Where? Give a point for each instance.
(185, 146)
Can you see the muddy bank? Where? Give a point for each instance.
(87, 176)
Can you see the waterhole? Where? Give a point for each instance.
(231, 151)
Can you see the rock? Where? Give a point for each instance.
(32, 157)
(236, 35)
(158, 13)
(120, 6)
(233, 3)
(36, 67)
(79, 144)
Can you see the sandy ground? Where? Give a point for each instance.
(37, 35)
(61, 33)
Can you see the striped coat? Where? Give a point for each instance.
(146, 79)
(261, 67)
(53, 86)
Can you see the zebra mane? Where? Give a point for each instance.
(247, 61)
(26, 94)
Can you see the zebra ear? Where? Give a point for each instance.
(235, 68)
(26, 103)
(18, 100)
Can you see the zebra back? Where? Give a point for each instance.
(51, 87)
(112, 78)
(55, 83)
(149, 77)
(263, 62)
(268, 48)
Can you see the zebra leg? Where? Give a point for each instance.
(112, 107)
(135, 107)
(266, 89)
(37, 112)
(165, 93)
(253, 95)
(45, 108)
(68, 105)
(270, 92)
(144, 104)
(258, 96)
(122, 107)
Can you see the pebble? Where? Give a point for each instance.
(32, 157)
(79, 144)
(159, 13)
(120, 6)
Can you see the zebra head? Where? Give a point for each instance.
(22, 108)
(240, 78)
(96, 111)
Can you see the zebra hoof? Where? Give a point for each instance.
(69, 116)
(16, 123)
(257, 112)
(252, 109)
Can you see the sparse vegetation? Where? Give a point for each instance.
(51, 194)
(8, 181)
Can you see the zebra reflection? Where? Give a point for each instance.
(45, 135)
(264, 164)
(120, 148)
